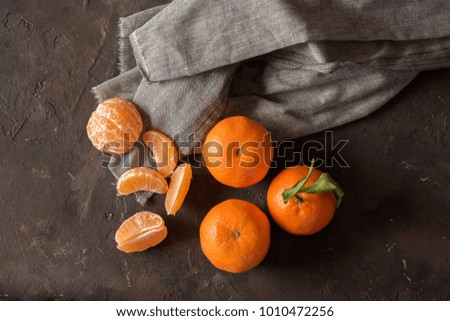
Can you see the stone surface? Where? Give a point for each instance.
(59, 210)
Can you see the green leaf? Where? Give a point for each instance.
(322, 185)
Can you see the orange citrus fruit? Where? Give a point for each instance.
(178, 188)
(305, 213)
(140, 232)
(115, 126)
(235, 236)
(141, 179)
(164, 151)
(238, 151)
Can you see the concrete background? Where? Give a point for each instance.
(58, 209)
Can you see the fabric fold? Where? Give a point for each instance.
(127, 25)
(298, 102)
(193, 36)
(186, 108)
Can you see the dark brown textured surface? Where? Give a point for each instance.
(58, 209)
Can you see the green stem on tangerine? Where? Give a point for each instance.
(292, 192)
(323, 184)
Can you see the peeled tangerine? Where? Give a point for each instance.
(163, 149)
(141, 179)
(141, 231)
(115, 126)
(178, 188)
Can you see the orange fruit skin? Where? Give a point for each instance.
(178, 188)
(163, 149)
(309, 217)
(140, 232)
(115, 126)
(235, 236)
(247, 151)
(141, 179)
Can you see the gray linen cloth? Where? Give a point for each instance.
(297, 67)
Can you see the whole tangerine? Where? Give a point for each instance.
(235, 236)
(238, 151)
(303, 213)
(115, 126)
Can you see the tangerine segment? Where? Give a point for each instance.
(178, 188)
(140, 232)
(115, 126)
(235, 236)
(141, 179)
(163, 149)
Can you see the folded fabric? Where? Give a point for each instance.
(297, 67)
(193, 36)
